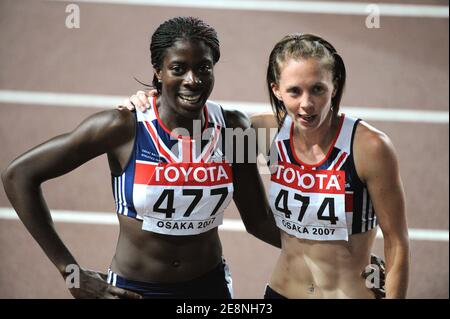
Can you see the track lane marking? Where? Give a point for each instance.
(319, 7)
(233, 225)
(109, 101)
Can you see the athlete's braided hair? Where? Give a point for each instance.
(304, 46)
(180, 28)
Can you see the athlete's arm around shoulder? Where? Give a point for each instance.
(377, 165)
(104, 132)
(264, 123)
(249, 194)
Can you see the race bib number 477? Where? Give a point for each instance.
(183, 198)
(309, 204)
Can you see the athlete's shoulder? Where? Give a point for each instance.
(236, 119)
(373, 149)
(370, 138)
(113, 119)
(107, 126)
(118, 117)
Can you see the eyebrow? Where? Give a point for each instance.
(206, 60)
(297, 87)
(177, 61)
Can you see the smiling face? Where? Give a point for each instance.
(187, 76)
(306, 88)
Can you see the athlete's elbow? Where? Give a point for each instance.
(12, 177)
(8, 176)
(262, 232)
(397, 240)
(252, 229)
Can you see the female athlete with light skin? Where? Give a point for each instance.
(163, 250)
(306, 78)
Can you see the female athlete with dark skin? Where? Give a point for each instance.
(149, 263)
(306, 78)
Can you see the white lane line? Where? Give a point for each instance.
(60, 99)
(321, 7)
(366, 113)
(426, 234)
(98, 218)
(109, 101)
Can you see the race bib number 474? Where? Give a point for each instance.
(309, 204)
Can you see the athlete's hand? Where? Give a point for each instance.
(375, 275)
(93, 285)
(140, 101)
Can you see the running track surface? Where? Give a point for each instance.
(401, 65)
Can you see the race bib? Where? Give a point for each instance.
(186, 198)
(309, 204)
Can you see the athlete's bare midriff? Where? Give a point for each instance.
(328, 269)
(149, 257)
